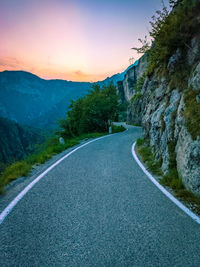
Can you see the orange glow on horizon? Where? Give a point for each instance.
(78, 75)
(71, 40)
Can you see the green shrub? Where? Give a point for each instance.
(46, 151)
(179, 79)
(147, 156)
(154, 166)
(137, 88)
(189, 197)
(145, 153)
(171, 32)
(172, 181)
(118, 129)
(12, 172)
(92, 112)
(192, 113)
(135, 97)
(140, 142)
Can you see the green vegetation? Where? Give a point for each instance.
(92, 113)
(147, 156)
(46, 151)
(172, 31)
(172, 34)
(140, 142)
(145, 46)
(17, 169)
(140, 83)
(189, 197)
(171, 179)
(17, 141)
(137, 88)
(135, 97)
(179, 78)
(117, 129)
(88, 117)
(192, 113)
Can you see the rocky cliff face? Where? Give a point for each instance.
(168, 108)
(126, 86)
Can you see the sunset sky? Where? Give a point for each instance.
(79, 40)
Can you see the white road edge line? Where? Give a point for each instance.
(164, 191)
(14, 202)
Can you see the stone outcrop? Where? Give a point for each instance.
(126, 87)
(160, 110)
(126, 90)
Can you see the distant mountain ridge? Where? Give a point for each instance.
(31, 100)
(117, 77)
(29, 103)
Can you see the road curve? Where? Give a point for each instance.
(98, 208)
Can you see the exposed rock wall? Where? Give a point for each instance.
(163, 123)
(126, 90)
(160, 110)
(126, 87)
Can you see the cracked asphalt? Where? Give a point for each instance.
(97, 208)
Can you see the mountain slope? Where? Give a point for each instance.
(118, 76)
(36, 102)
(17, 141)
(30, 100)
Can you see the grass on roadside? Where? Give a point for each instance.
(146, 155)
(46, 151)
(117, 129)
(17, 169)
(171, 179)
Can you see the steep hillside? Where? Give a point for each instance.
(165, 97)
(118, 76)
(16, 141)
(36, 102)
(31, 100)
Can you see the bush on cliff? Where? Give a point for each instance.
(175, 31)
(170, 31)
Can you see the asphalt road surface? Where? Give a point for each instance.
(97, 208)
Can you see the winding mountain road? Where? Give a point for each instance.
(98, 208)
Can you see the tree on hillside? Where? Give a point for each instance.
(146, 45)
(174, 3)
(170, 31)
(92, 112)
(158, 20)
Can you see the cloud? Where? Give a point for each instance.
(8, 63)
(79, 73)
(47, 72)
